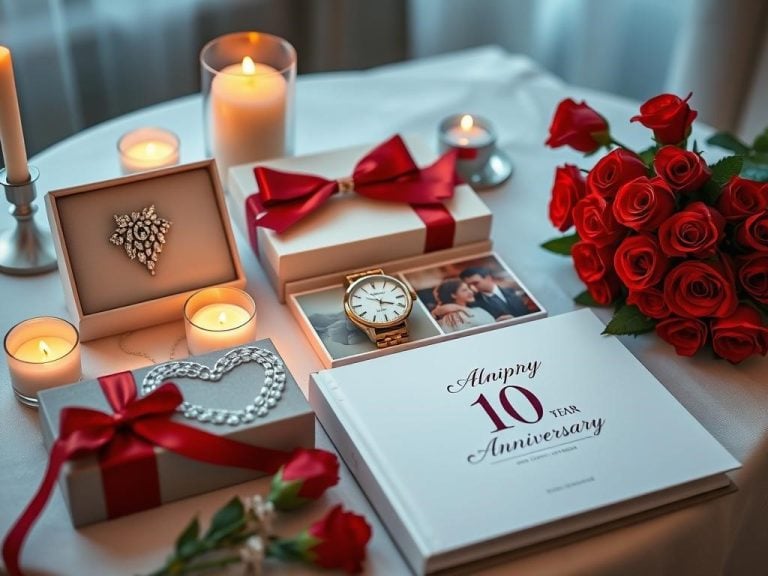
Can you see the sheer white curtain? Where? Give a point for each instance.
(716, 48)
(79, 62)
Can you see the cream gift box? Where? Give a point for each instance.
(290, 424)
(106, 291)
(349, 231)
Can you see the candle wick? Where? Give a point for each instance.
(222, 318)
(43, 348)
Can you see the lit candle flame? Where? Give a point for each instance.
(248, 66)
(222, 318)
(467, 122)
(151, 148)
(44, 350)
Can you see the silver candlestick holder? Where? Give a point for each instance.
(25, 249)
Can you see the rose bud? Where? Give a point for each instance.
(595, 221)
(741, 198)
(753, 233)
(613, 170)
(753, 276)
(591, 261)
(684, 171)
(694, 231)
(336, 541)
(650, 302)
(305, 477)
(740, 335)
(643, 204)
(605, 290)
(668, 116)
(687, 335)
(567, 190)
(578, 126)
(639, 262)
(695, 289)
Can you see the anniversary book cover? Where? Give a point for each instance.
(474, 447)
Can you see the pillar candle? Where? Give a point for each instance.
(11, 136)
(248, 108)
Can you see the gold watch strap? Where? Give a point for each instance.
(391, 336)
(357, 275)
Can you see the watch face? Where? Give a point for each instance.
(379, 300)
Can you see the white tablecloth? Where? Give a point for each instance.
(728, 535)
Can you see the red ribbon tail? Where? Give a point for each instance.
(204, 447)
(14, 540)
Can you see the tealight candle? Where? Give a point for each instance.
(147, 149)
(478, 161)
(216, 318)
(42, 353)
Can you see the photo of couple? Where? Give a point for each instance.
(471, 293)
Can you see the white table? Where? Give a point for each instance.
(724, 536)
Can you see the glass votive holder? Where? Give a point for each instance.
(42, 352)
(216, 318)
(479, 161)
(146, 149)
(248, 83)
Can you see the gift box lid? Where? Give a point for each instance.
(350, 231)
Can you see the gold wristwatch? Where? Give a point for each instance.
(379, 305)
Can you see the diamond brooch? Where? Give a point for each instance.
(142, 235)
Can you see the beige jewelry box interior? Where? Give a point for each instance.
(106, 291)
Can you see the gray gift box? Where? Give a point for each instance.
(290, 424)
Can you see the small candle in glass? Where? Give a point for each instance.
(42, 352)
(479, 162)
(217, 318)
(147, 149)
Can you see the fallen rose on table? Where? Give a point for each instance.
(676, 245)
(241, 532)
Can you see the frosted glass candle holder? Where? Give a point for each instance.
(42, 352)
(248, 84)
(217, 318)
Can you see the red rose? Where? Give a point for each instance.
(614, 169)
(695, 289)
(305, 477)
(740, 335)
(684, 171)
(567, 190)
(753, 233)
(650, 302)
(336, 541)
(694, 231)
(741, 198)
(644, 203)
(687, 335)
(595, 222)
(591, 261)
(605, 290)
(668, 116)
(578, 126)
(639, 262)
(753, 276)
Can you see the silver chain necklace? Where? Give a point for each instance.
(268, 397)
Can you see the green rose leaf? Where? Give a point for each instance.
(186, 543)
(226, 521)
(761, 142)
(726, 168)
(648, 155)
(585, 299)
(629, 320)
(729, 142)
(561, 245)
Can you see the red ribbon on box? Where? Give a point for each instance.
(387, 173)
(124, 443)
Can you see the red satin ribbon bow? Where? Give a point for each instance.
(124, 443)
(387, 173)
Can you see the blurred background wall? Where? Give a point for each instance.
(80, 62)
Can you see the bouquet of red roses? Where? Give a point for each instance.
(676, 245)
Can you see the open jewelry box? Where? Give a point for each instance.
(133, 249)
